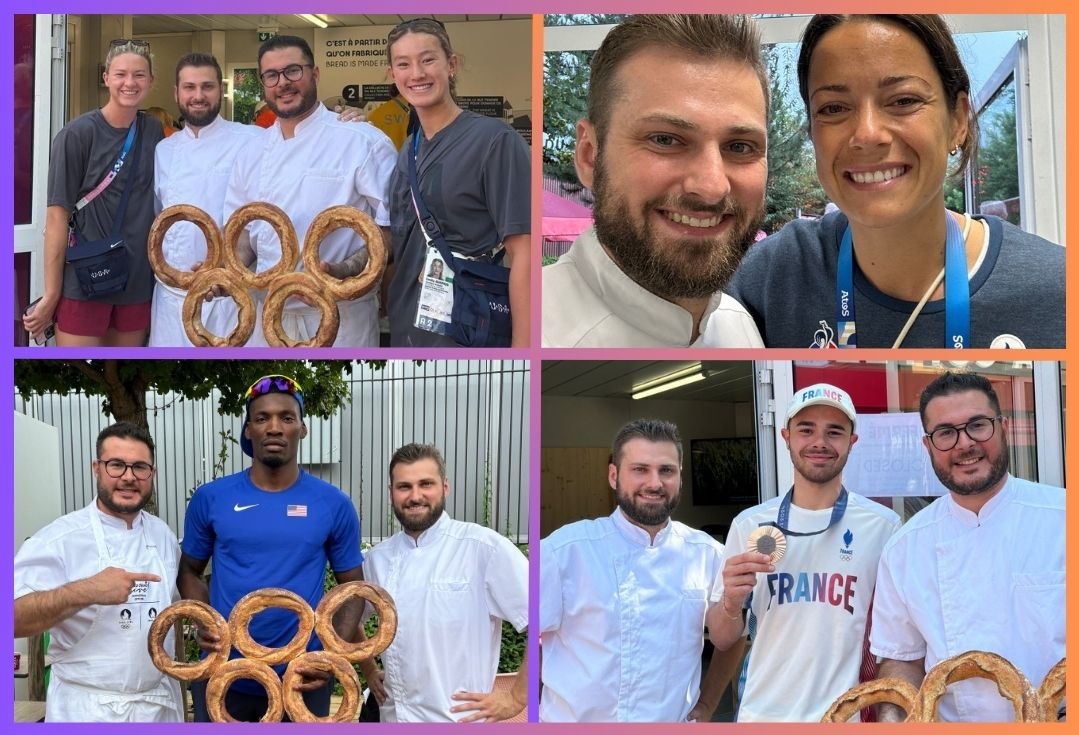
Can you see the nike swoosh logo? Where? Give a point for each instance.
(239, 507)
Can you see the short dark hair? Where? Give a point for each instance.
(950, 383)
(125, 430)
(937, 39)
(197, 58)
(279, 42)
(412, 453)
(726, 37)
(653, 430)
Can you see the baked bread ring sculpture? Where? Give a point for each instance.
(286, 234)
(1052, 690)
(197, 332)
(243, 668)
(169, 216)
(256, 602)
(273, 311)
(297, 710)
(204, 616)
(894, 691)
(332, 602)
(328, 220)
(1010, 683)
(768, 540)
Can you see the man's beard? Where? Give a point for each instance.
(307, 100)
(997, 470)
(652, 515)
(105, 496)
(691, 268)
(818, 475)
(203, 119)
(421, 524)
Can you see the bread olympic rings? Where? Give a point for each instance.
(169, 216)
(286, 234)
(977, 664)
(894, 691)
(1052, 690)
(328, 220)
(243, 668)
(333, 664)
(203, 615)
(332, 602)
(259, 600)
(197, 332)
(273, 311)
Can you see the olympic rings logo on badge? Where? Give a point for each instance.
(223, 269)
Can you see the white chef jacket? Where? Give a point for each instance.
(190, 169)
(951, 581)
(326, 163)
(93, 678)
(588, 301)
(453, 587)
(622, 620)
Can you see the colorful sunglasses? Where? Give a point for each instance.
(274, 384)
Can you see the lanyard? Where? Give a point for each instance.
(115, 168)
(956, 290)
(783, 517)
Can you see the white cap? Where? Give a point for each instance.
(822, 394)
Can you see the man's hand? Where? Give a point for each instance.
(311, 678)
(377, 684)
(208, 640)
(487, 706)
(740, 576)
(214, 291)
(700, 713)
(350, 266)
(112, 585)
(349, 114)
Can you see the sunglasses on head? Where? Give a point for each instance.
(411, 21)
(126, 41)
(271, 384)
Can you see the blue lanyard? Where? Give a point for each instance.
(956, 290)
(783, 517)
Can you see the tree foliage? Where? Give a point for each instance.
(565, 101)
(123, 384)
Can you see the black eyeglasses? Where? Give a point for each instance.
(118, 467)
(126, 41)
(292, 72)
(980, 429)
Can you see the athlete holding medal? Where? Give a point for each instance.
(889, 109)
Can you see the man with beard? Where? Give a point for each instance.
(453, 584)
(273, 525)
(820, 589)
(674, 149)
(981, 568)
(623, 598)
(309, 161)
(77, 577)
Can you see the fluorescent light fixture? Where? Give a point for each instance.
(676, 379)
(313, 20)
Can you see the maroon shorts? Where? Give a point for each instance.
(95, 319)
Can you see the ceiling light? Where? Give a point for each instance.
(676, 379)
(313, 19)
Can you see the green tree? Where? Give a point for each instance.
(565, 101)
(998, 160)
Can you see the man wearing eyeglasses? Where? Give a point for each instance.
(309, 161)
(981, 568)
(273, 525)
(79, 575)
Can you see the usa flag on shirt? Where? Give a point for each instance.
(298, 511)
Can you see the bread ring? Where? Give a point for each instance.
(286, 234)
(332, 602)
(169, 275)
(893, 691)
(204, 616)
(297, 710)
(1010, 683)
(768, 540)
(1052, 690)
(328, 220)
(256, 602)
(274, 310)
(197, 332)
(243, 668)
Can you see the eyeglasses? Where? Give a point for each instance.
(271, 384)
(980, 429)
(126, 41)
(118, 467)
(292, 72)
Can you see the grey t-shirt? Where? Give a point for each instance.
(475, 178)
(82, 153)
(788, 283)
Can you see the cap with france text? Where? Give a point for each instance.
(822, 394)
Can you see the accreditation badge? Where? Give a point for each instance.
(435, 309)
